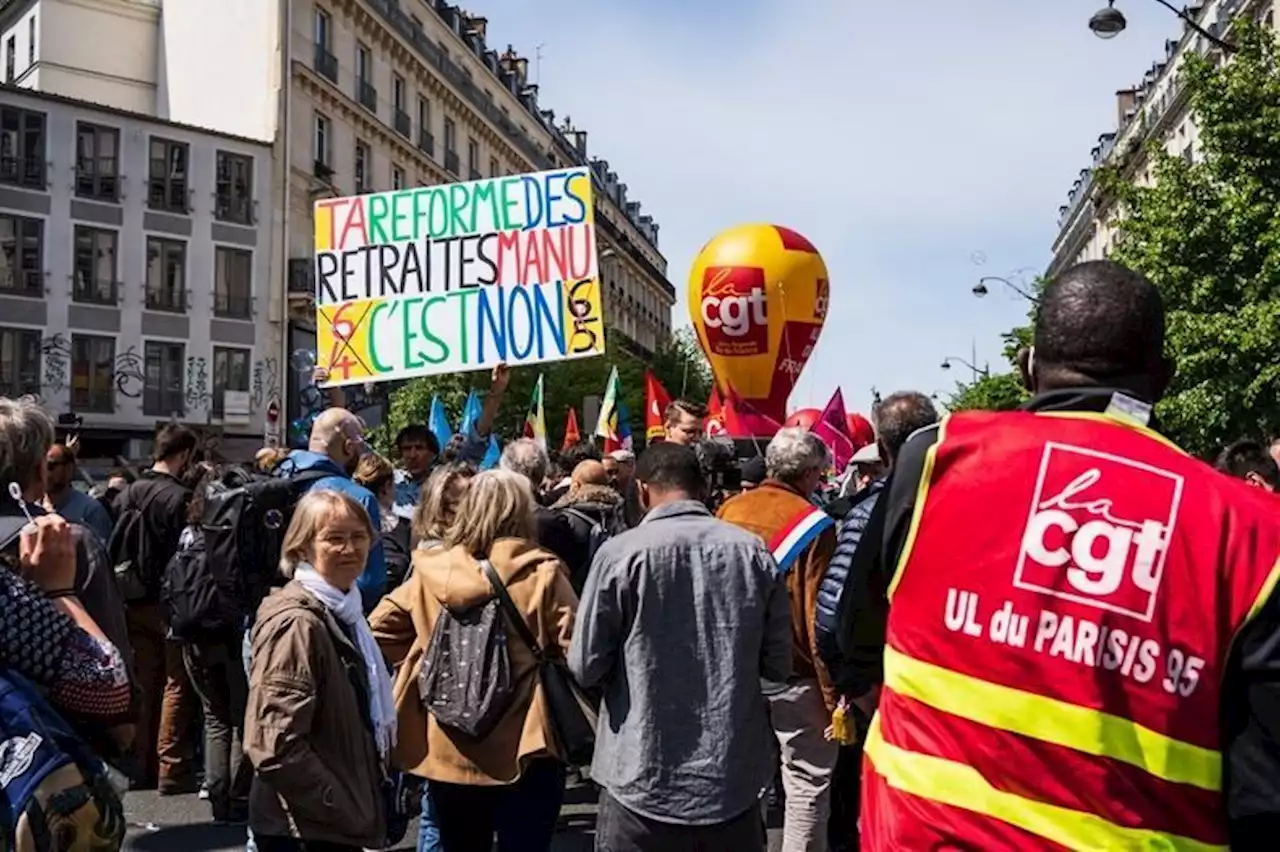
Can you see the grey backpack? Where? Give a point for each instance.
(465, 680)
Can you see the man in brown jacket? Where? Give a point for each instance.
(802, 538)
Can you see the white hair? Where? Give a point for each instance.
(622, 456)
(527, 458)
(793, 453)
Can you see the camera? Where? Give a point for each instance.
(719, 462)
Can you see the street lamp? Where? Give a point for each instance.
(1110, 22)
(946, 365)
(980, 289)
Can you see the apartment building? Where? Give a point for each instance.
(407, 94)
(354, 96)
(133, 263)
(1154, 109)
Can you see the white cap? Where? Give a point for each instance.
(622, 456)
(870, 454)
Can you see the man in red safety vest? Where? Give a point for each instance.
(1081, 641)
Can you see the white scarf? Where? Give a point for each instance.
(348, 609)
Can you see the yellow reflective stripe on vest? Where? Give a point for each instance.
(1052, 721)
(959, 786)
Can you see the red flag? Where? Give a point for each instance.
(715, 425)
(742, 420)
(832, 427)
(571, 434)
(656, 401)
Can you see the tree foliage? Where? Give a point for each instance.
(679, 364)
(1208, 235)
(997, 392)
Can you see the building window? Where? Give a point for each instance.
(230, 373)
(235, 188)
(233, 283)
(362, 168)
(324, 34)
(31, 41)
(22, 144)
(365, 91)
(399, 100)
(19, 362)
(493, 167)
(94, 266)
(323, 143)
(163, 394)
(10, 57)
(97, 158)
(166, 275)
(326, 62)
(93, 373)
(167, 181)
(22, 248)
(397, 177)
(473, 158)
(450, 146)
(426, 142)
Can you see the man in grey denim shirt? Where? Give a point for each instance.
(680, 619)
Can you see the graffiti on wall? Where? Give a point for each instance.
(265, 385)
(198, 395)
(56, 352)
(129, 377)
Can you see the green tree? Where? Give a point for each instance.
(678, 364)
(997, 392)
(1208, 235)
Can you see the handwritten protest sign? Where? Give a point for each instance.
(444, 279)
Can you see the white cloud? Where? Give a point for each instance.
(899, 137)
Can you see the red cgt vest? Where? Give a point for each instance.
(1060, 622)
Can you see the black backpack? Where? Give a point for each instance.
(245, 516)
(465, 679)
(129, 549)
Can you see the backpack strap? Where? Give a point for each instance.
(591, 522)
(512, 611)
(10, 528)
(797, 534)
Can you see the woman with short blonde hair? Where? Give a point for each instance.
(320, 723)
(510, 781)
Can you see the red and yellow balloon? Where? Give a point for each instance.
(758, 297)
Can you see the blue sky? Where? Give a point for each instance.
(918, 145)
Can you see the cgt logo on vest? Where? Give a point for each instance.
(735, 310)
(1099, 529)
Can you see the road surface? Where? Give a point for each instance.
(181, 824)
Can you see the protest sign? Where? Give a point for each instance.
(456, 277)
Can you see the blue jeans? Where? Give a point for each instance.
(428, 830)
(523, 815)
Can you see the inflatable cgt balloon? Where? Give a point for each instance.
(758, 298)
(804, 418)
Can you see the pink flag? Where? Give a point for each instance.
(833, 428)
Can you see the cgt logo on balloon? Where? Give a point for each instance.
(735, 310)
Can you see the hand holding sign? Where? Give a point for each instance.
(501, 377)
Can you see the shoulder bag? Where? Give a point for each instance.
(573, 717)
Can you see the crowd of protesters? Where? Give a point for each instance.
(738, 654)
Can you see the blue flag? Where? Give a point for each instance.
(438, 422)
(491, 457)
(624, 425)
(470, 413)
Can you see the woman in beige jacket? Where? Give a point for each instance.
(510, 782)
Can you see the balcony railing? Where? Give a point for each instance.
(326, 64)
(232, 305)
(368, 95)
(23, 171)
(451, 161)
(426, 143)
(403, 125)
